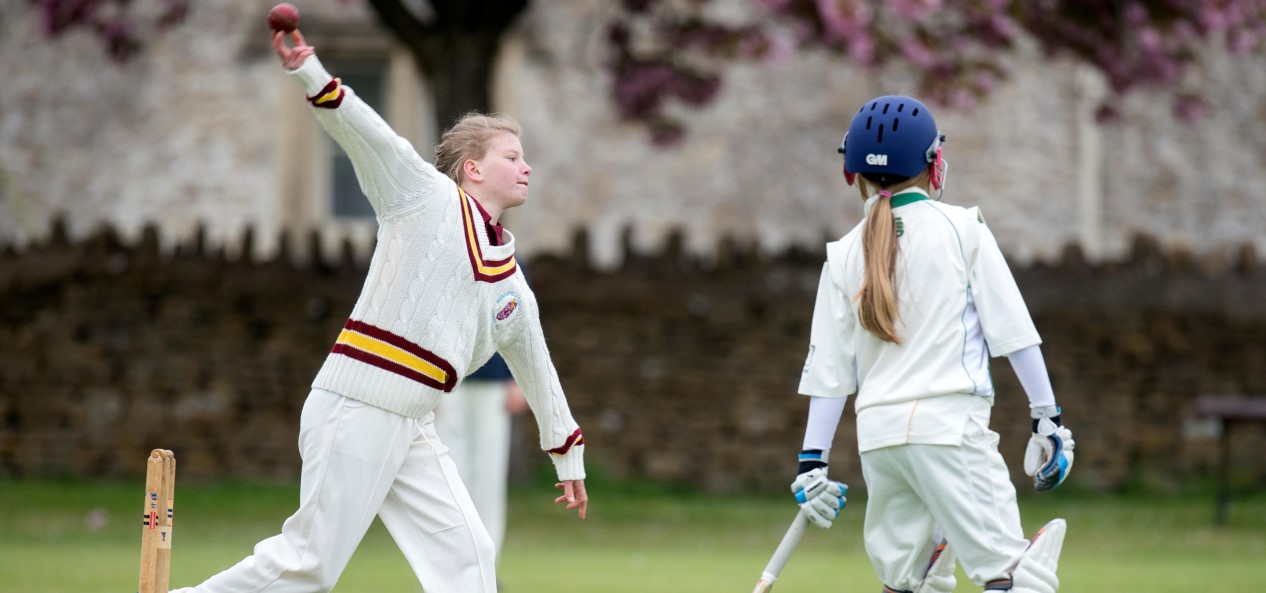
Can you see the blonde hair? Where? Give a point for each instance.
(877, 300)
(468, 140)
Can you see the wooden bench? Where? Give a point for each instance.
(1230, 410)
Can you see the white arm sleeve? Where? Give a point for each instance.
(1030, 368)
(824, 418)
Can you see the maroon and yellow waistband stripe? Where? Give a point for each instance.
(485, 270)
(390, 352)
(330, 96)
(575, 439)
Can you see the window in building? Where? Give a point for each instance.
(368, 79)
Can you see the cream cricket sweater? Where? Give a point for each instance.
(439, 297)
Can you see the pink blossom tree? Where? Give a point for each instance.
(670, 50)
(119, 24)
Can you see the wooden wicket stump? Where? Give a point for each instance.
(156, 521)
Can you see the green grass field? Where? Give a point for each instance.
(83, 537)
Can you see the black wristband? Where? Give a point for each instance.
(810, 459)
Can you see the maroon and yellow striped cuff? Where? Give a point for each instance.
(330, 96)
(486, 270)
(390, 352)
(574, 440)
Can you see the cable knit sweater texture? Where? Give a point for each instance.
(439, 298)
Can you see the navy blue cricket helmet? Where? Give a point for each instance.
(892, 138)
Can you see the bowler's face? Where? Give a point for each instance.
(505, 171)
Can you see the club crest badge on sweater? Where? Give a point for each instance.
(507, 304)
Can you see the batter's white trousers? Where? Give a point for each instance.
(360, 461)
(475, 425)
(964, 491)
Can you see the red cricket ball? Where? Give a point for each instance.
(284, 17)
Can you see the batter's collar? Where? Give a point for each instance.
(909, 195)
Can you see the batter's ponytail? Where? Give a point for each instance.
(877, 308)
(877, 300)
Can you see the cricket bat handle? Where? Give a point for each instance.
(782, 553)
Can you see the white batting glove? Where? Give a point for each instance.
(1049, 455)
(821, 498)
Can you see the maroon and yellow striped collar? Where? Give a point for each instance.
(485, 268)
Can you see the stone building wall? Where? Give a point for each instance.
(191, 134)
(678, 369)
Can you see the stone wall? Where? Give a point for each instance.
(678, 370)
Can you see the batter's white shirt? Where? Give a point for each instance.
(958, 304)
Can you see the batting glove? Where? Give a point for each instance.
(821, 498)
(1049, 455)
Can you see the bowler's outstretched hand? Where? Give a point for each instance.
(574, 495)
(292, 57)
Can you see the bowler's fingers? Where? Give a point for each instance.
(292, 57)
(574, 495)
(578, 489)
(300, 54)
(279, 45)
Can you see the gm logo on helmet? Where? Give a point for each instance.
(880, 160)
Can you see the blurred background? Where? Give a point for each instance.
(180, 242)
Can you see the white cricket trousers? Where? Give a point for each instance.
(964, 491)
(360, 461)
(475, 425)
